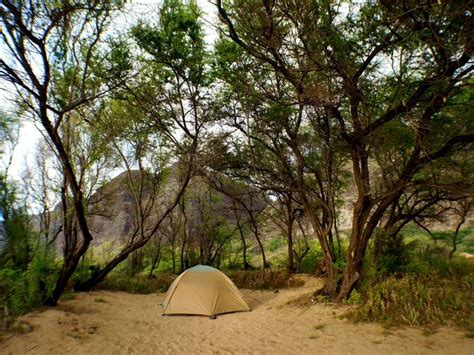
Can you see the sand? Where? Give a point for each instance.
(119, 323)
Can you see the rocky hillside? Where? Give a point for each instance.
(112, 209)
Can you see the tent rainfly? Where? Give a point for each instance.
(203, 290)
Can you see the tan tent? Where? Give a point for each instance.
(203, 290)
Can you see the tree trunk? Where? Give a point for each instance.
(181, 256)
(136, 244)
(356, 250)
(72, 259)
(173, 258)
(456, 232)
(245, 265)
(291, 263)
(155, 262)
(362, 229)
(101, 274)
(262, 251)
(330, 286)
(254, 226)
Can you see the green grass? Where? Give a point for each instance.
(443, 238)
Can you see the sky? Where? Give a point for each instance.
(30, 136)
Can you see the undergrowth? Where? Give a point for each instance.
(22, 290)
(263, 280)
(140, 284)
(255, 280)
(419, 301)
(430, 292)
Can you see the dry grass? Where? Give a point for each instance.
(263, 279)
(419, 301)
(137, 284)
(253, 280)
(304, 300)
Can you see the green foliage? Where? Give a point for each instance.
(275, 243)
(261, 280)
(413, 284)
(391, 254)
(27, 270)
(424, 264)
(419, 301)
(141, 284)
(9, 129)
(22, 290)
(465, 238)
(177, 42)
(118, 61)
(308, 264)
(137, 284)
(411, 252)
(82, 273)
(355, 298)
(18, 239)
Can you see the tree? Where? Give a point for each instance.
(9, 131)
(209, 226)
(52, 53)
(169, 102)
(14, 230)
(370, 69)
(463, 208)
(284, 214)
(280, 146)
(249, 200)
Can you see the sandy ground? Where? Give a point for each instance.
(121, 323)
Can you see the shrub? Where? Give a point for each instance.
(427, 264)
(390, 253)
(309, 262)
(419, 301)
(262, 279)
(137, 284)
(275, 244)
(23, 290)
(255, 279)
(83, 273)
(355, 298)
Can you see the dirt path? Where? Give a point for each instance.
(121, 323)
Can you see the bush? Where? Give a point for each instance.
(83, 273)
(23, 290)
(419, 301)
(275, 244)
(390, 253)
(140, 284)
(262, 280)
(354, 298)
(427, 264)
(255, 279)
(309, 262)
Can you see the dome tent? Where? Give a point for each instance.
(203, 290)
